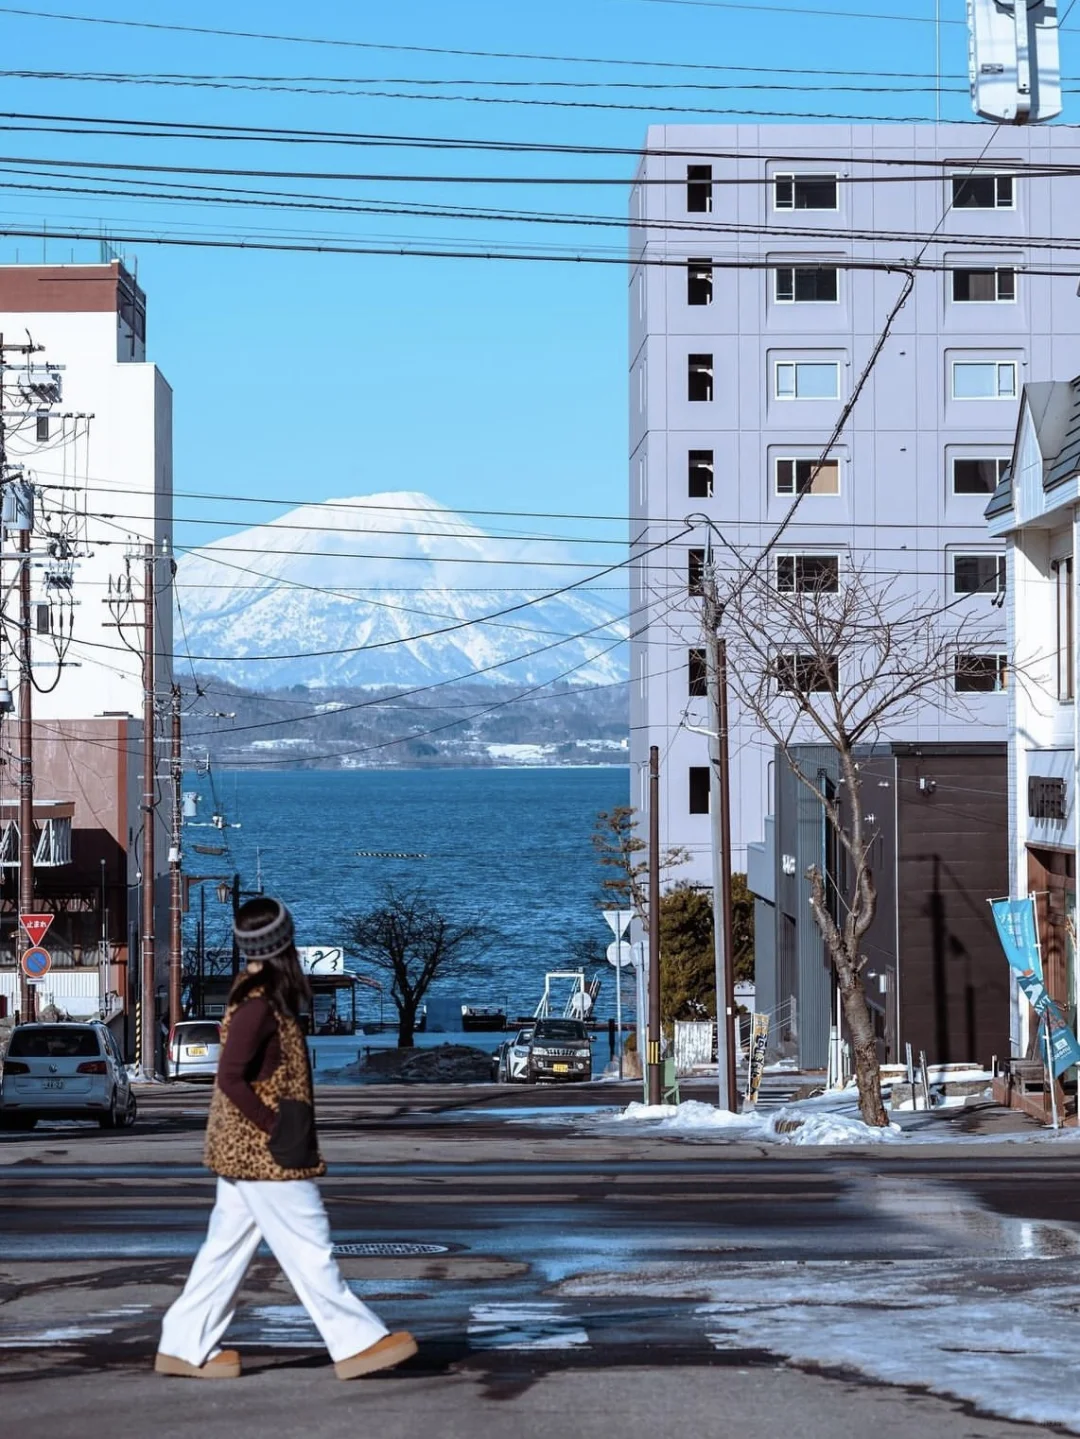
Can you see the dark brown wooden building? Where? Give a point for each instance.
(936, 977)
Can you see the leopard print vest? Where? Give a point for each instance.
(236, 1148)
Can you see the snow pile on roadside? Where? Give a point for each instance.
(692, 1117)
(793, 1124)
(825, 1128)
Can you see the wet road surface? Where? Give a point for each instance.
(550, 1255)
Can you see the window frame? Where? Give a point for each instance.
(998, 556)
(793, 176)
(693, 778)
(697, 673)
(1065, 618)
(812, 461)
(999, 365)
(699, 271)
(779, 299)
(959, 178)
(1001, 461)
(794, 366)
(709, 465)
(704, 183)
(831, 679)
(695, 570)
(799, 585)
(997, 271)
(701, 368)
(1001, 674)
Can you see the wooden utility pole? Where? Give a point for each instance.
(176, 881)
(147, 1018)
(720, 826)
(27, 996)
(653, 1033)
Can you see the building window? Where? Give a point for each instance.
(699, 189)
(1047, 798)
(983, 192)
(700, 474)
(695, 572)
(699, 282)
(805, 192)
(984, 380)
(980, 674)
(801, 475)
(807, 674)
(808, 574)
(984, 286)
(978, 574)
(699, 382)
(979, 476)
(807, 380)
(699, 789)
(1066, 631)
(42, 428)
(698, 674)
(806, 284)
(43, 619)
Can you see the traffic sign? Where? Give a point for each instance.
(36, 963)
(618, 920)
(620, 954)
(36, 926)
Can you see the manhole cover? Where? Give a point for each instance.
(391, 1250)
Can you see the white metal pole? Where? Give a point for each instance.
(618, 1007)
(1050, 1071)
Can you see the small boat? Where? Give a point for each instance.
(482, 1017)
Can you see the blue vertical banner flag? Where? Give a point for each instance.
(1015, 920)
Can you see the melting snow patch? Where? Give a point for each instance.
(524, 1326)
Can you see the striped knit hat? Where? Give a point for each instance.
(274, 934)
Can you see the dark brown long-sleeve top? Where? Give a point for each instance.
(252, 1051)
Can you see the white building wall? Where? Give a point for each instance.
(121, 476)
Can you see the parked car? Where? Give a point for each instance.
(64, 1071)
(194, 1049)
(559, 1050)
(511, 1060)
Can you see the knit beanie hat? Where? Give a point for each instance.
(274, 935)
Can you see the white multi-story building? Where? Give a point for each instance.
(1037, 512)
(100, 457)
(757, 295)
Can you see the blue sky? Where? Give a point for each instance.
(487, 384)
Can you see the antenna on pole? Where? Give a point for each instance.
(1014, 60)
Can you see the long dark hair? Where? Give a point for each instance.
(279, 978)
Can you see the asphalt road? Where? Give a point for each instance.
(559, 1274)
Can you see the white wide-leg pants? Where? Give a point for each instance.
(289, 1215)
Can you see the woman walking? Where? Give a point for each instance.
(261, 1143)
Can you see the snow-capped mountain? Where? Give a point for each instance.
(395, 588)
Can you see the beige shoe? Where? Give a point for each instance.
(390, 1350)
(225, 1365)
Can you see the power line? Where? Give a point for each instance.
(222, 33)
(802, 10)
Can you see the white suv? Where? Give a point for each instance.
(64, 1071)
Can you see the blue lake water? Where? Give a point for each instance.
(510, 846)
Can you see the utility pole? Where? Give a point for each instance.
(27, 996)
(720, 826)
(148, 1027)
(653, 1036)
(176, 882)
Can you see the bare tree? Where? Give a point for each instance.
(841, 659)
(407, 937)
